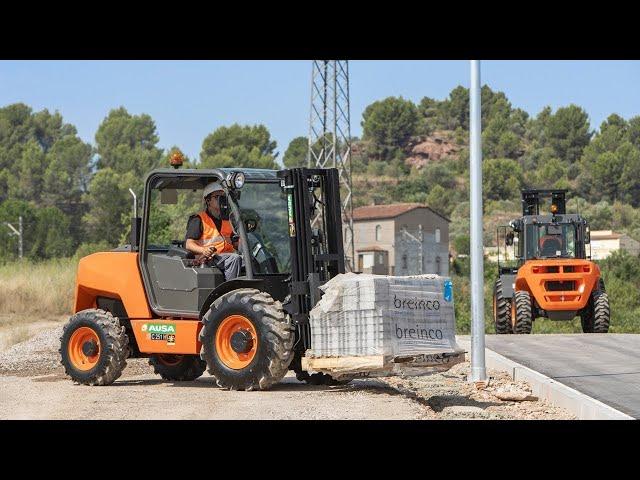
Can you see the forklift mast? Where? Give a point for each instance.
(315, 233)
(531, 201)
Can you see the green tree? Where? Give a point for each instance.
(10, 211)
(461, 244)
(109, 205)
(127, 143)
(552, 173)
(388, 124)
(456, 109)
(502, 179)
(634, 131)
(42, 160)
(51, 237)
(428, 116)
(567, 132)
(296, 153)
(610, 164)
(28, 181)
(239, 146)
(439, 200)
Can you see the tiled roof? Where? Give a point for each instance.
(371, 212)
(371, 248)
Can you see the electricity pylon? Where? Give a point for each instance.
(330, 136)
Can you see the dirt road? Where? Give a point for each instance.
(33, 386)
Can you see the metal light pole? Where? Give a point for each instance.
(21, 235)
(17, 233)
(478, 368)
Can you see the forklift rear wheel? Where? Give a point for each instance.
(596, 316)
(181, 368)
(521, 310)
(247, 340)
(94, 347)
(501, 310)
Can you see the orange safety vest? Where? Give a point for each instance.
(211, 235)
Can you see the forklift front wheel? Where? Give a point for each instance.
(247, 340)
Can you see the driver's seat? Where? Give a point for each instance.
(550, 245)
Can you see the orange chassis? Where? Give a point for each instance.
(116, 275)
(546, 280)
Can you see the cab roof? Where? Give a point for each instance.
(196, 178)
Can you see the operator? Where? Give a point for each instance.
(209, 235)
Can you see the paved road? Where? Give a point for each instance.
(604, 366)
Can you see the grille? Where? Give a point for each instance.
(557, 286)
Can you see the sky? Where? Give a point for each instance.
(190, 99)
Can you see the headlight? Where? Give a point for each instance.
(238, 180)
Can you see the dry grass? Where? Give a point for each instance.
(19, 333)
(39, 290)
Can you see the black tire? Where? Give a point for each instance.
(501, 310)
(316, 378)
(596, 316)
(181, 368)
(524, 317)
(274, 350)
(112, 352)
(602, 313)
(601, 285)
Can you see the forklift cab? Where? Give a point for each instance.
(176, 284)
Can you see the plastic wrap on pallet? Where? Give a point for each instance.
(364, 314)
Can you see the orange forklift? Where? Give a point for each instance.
(154, 299)
(549, 273)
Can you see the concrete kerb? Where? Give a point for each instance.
(582, 406)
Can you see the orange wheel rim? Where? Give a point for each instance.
(170, 360)
(81, 340)
(513, 312)
(231, 325)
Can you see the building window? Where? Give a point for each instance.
(438, 271)
(378, 232)
(367, 260)
(404, 262)
(437, 235)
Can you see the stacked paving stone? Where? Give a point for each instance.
(383, 315)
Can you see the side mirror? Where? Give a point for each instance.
(251, 225)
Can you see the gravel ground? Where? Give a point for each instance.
(34, 386)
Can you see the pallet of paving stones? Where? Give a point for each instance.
(381, 323)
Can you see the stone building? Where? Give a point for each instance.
(605, 242)
(401, 239)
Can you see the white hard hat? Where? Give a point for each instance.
(212, 187)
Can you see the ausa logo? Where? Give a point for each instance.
(159, 328)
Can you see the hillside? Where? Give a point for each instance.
(419, 153)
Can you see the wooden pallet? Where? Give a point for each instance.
(365, 363)
(381, 365)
